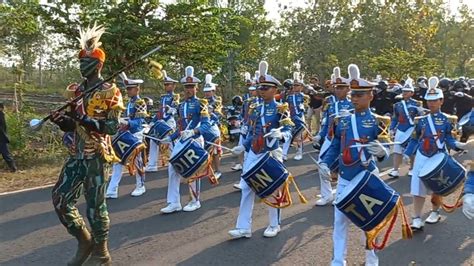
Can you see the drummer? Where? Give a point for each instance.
(360, 127)
(402, 125)
(193, 118)
(340, 107)
(135, 114)
(426, 143)
(248, 98)
(215, 111)
(167, 110)
(296, 101)
(268, 119)
(253, 100)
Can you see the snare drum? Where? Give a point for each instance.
(188, 157)
(160, 130)
(367, 200)
(265, 176)
(211, 135)
(124, 144)
(442, 174)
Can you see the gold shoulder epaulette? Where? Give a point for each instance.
(140, 108)
(453, 119)
(283, 108)
(176, 97)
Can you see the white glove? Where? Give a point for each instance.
(406, 159)
(186, 134)
(392, 133)
(244, 130)
(468, 205)
(171, 111)
(377, 149)
(459, 94)
(277, 154)
(238, 150)
(460, 145)
(316, 139)
(275, 133)
(324, 172)
(123, 121)
(166, 139)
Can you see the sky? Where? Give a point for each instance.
(273, 6)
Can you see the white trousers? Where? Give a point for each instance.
(417, 187)
(153, 154)
(325, 185)
(174, 179)
(244, 220)
(287, 144)
(117, 177)
(341, 225)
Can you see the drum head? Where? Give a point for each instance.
(351, 186)
(434, 162)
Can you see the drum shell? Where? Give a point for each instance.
(160, 129)
(266, 176)
(189, 158)
(124, 144)
(368, 189)
(445, 177)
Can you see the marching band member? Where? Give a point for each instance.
(92, 121)
(167, 110)
(431, 136)
(269, 125)
(192, 115)
(297, 102)
(360, 127)
(244, 116)
(468, 198)
(135, 114)
(402, 125)
(215, 111)
(338, 108)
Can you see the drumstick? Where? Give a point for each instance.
(343, 112)
(217, 145)
(373, 144)
(268, 134)
(157, 139)
(314, 160)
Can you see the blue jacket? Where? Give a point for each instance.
(400, 120)
(333, 109)
(136, 112)
(351, 159)
(425, 141)
(263, 118)
(192, 114)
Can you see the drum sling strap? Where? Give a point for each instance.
(405, 109)
(391, 217)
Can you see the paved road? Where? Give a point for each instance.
(30, 233)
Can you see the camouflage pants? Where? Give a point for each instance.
(88, 177)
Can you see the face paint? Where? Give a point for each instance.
(88, 66)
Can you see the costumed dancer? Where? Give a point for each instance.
(403, 124)
(268, 125)
(431, 136)
(214, 135)
(193, 119)
(360, 127)
(297, 102)
(339, 108)
(167, 110)
(92, 121)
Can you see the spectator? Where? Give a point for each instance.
(315, 105)
(4, 141)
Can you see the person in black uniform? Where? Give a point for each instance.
(445, 85)
(4, 141)
(420, 90)
(382, 102)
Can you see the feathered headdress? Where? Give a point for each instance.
(89, 41)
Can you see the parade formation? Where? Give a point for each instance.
(361, 123)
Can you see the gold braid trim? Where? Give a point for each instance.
(383, 123)
(176, 98)
(204, 109)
